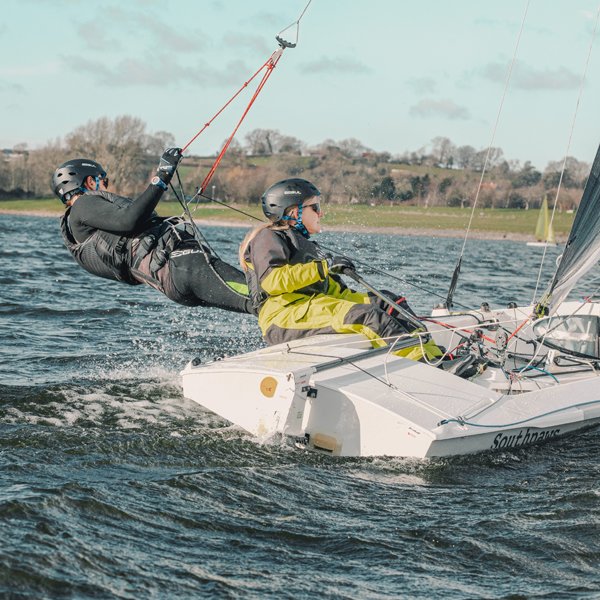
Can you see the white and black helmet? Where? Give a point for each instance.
(69, 177)
(286, 193)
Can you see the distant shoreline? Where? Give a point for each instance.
(392, 230)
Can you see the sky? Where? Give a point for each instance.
(393, 74)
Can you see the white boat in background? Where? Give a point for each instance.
(544, 230)
(521, 375)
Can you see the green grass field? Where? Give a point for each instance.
(406, 217)
(485, 220)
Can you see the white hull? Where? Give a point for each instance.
(542, 244)
(335, 394)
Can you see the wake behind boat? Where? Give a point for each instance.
(519, 375)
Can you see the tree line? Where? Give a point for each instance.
(347, 171)
(121, 145)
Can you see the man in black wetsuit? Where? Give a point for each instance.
(125, 240)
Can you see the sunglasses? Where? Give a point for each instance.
(316, 207)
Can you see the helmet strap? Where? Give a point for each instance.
(97, 183)
(299, 225)
(78, 192)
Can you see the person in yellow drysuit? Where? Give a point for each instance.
(295, 287)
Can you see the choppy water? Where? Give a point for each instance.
(112, 485)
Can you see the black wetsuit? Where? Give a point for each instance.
(124, 240)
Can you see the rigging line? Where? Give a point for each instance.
(224, 204)
(242, 88)
(514, 333)
(188, 214)
(297, 24)
(272, 63)
(207, 250)
(418, 401)
(302, 13)
(564, 165)
(395, 277)
(487, 157)
(355, 260)
(269, 65)
(463, 422)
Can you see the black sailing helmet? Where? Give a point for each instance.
(69, 177)
(286, 193)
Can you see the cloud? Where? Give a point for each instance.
(271, 19)
(339, 65)
(157, 71)
(170, 37)
(526, 77)
(95, 35)
(11, 88)
(138, 23)
(509, 25)
(241, 41)
(146, 25)
(422, 85)
(33, 70)
(589, 18)
(430, 107)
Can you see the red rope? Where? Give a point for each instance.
(269, 65)
(512, 335)
(448, 326)
(245, 85)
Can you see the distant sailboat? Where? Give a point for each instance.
(544, 232)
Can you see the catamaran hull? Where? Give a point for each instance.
(333, 394)
(542, 244)
(343, 423)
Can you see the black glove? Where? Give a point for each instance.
(168, 163)
(399, 300)
(338, 265)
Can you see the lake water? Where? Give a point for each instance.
(112, 485)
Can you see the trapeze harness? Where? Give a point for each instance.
(140, 259)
